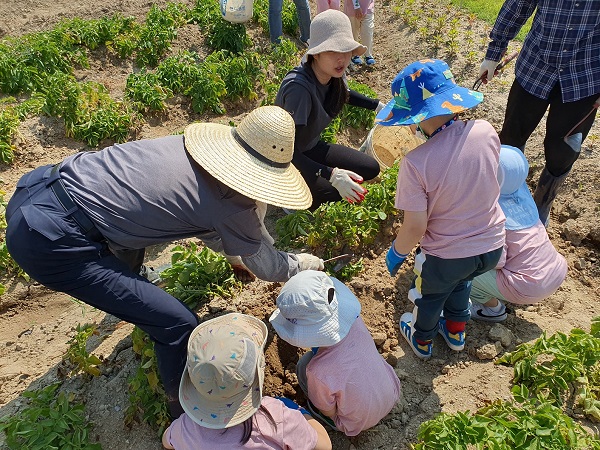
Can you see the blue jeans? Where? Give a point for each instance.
(275, 24)
(445, 285)
(49, 245)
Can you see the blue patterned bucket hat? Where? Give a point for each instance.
(426, 89)
(515, 199)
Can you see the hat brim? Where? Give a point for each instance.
(348, 45)
(219, 413)
(329, 331)
(451, 101)
(519, 208)
(213, 147)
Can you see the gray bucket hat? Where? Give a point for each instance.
(331, 31)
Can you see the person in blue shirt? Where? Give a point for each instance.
(557, 68)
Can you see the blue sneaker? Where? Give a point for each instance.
(356, 60)
(370, 61)
(422, 351)
(454, 341)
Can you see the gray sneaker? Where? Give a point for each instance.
(482, 312)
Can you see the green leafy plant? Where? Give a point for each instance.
(198, 275)
(90, 114)
(9, 124)
(146, 92)
(239, 72)
(204, 13)
(159, 30)
(147, 398)
(224, 35)
(208, 89)
(77, 353)
(341, 225)
(561, 365)
(526, 423)
(329, 134)
(354, 116)
(180, 72)
(7, 263)
(50, 421)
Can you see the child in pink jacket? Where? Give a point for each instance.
(362, 18)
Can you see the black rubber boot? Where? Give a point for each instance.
(545, 192)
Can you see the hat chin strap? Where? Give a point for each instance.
(256, 154)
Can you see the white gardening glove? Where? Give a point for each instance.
(487, 70)
(380, 106)
(346, 184)
(306, 261)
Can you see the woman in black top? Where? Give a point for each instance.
(314, 94)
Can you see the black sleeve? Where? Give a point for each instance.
(362, 101)
(309, 167)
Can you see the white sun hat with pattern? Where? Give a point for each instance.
(223, 379)
(253, 158)
(314, 310)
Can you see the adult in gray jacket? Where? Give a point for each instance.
(81, 226)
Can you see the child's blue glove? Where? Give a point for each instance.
(292, 404)
(394, 260)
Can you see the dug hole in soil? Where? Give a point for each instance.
(36, 324)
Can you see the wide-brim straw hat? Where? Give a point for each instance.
(331, 31)
(253, 158)
(306, 318)
(223, 379)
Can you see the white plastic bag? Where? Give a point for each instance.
(237, 11)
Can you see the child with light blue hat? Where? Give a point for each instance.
(530, 269)
(448, 190)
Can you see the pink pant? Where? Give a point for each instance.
(324, 5)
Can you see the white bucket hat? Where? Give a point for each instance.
(515, 199)
(331, 31)
(308, 315)
(254, 159)
(223, 379)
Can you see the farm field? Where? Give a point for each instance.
(37, 325)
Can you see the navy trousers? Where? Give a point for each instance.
(49, 245)
(444, 285)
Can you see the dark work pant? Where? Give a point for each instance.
(445, 285)
(334, 155)
(49, 245)
(525, 111)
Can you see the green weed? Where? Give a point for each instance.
(50, 421)
(9, 124)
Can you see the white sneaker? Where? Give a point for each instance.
(482, 312)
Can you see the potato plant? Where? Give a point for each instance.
(354, 116)
(341, 226)
(197, 275)
(147, 398)
(523, 423)
(239, 72)
(562, 367)
(77, 353)
(224, 35)
(146, 92)
(51, 420)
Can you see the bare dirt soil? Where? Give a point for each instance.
(36, 324)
